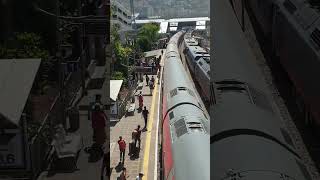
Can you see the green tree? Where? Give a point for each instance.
(147, 36)
(29, 45)
(121, 51)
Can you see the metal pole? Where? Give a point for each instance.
(82, 59)
(61, 70)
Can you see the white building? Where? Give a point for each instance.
(115, 87)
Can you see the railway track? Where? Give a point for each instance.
(280, 103)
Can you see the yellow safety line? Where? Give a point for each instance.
(148, 138)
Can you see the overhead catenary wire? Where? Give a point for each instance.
(66, 17)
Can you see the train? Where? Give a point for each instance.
(290, 33)
(198, 60)
(248, 139)
(185, 125)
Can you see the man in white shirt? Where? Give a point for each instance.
(140, 176)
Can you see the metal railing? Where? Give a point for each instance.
(40, 145)
(122, 108)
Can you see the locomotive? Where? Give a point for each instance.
(198, 60)
(185, 125)
(248, 139)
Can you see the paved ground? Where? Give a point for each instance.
(86, 170)
(146, 159)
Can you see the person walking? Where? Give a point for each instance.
(140, 98)
(151, 86)
(105, 169)
(122, 148)
(139, 177)
(92, 105)
(145, 113)
(152, 79)
(147, 80)
(123, 175)
(99, 119)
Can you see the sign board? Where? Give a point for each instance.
(11, 149)
(173, 28)
(200, 23)
(201, 27)
(173, 24)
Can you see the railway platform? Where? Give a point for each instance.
(145, 159)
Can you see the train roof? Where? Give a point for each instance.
(191, 42)
(233, 56)
(189, 156)
(252, 157)
(235, 113)
(198, 51)
(305, 18)
(205, 66)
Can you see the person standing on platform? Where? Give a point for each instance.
(147, 80)
(140, 98)
(151, 85)
(99, 119)
(122, 148)
(105, 169)
(137, 136)
(139, 177)
(152, 79)
(145, 114)
(123, 175)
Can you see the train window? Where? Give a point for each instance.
(171, 115)
(304, 170)
(286, 136)
(180, 127)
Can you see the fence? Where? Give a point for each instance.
(40, 146)
(124, 103)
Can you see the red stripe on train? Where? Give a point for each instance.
(166, 144)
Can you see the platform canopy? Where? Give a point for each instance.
(16, 80)
(115, 86)
(153, 53)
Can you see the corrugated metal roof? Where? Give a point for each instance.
(142, 21)
(16, 80)
(115, 86)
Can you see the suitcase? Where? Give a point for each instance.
(132, 147)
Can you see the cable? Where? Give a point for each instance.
(63, 17)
